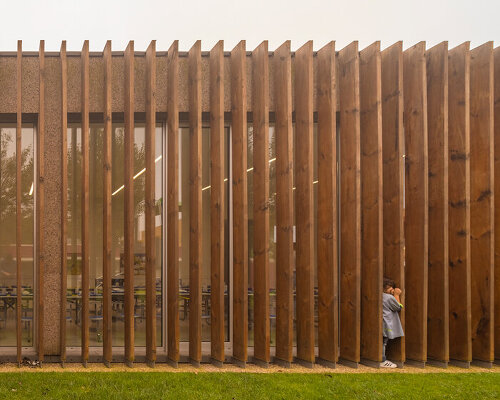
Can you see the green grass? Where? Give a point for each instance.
(164, 385)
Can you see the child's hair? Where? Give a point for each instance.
(389, 283)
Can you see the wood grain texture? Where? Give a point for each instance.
(459, 277)
(150, 203)
(64, 199)
(370, 90)
(129, 205)
(217, 201)
(106, 212)
(482, 200)
(496, 55)
(437, 114)
(416, 198)
(260, 108)
(350, 204)
(393, 178)
(304, 202)
(284, 202)
(40, 204)
(240, 201)
(85, 328)
(18, 200)
(173, 203)
(327, 209)
(195, 202)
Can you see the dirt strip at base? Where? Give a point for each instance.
(251, 368)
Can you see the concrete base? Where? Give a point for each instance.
(325, 363)
(172, 363)
(194, 363)
(437, 363)
(129, 363)
(260, 363)
(415, 363)
(107, 364)
(349, 363)
(370, 363)
(239, 363)
(482, 364)
(216, 363)
(150, 363)
(282, 363)
(460, 363)
(304, 363)
(84, 363)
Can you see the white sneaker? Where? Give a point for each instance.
(388, 364)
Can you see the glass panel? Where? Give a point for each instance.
(95, 226)
(251, 270)
(74, 243)
(272, 232)
(272, 238)
(184, 293)
(8, 261)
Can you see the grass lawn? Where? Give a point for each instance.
(165, 385)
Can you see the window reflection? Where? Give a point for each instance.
(8, 261)
(184, 292)
(73, 312)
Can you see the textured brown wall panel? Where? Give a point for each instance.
(52, 221)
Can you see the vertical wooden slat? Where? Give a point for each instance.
(40, 204)
(18, 200)
(64, 199)
(129, 204)
(217, 204)
(85, 203)
(150, 204)
(416, 195)
(260, 109)
(195, 203)
(370, 88)
(106, 219)
(437, 114)
(240, 202)
(327, 209)
(482, 201)
(173, 204)
(304, 203)
(350, 205)
(496, 317)
(284, 203)
(460, 347)
(393, 196)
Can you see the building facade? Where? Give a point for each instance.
(244, 206)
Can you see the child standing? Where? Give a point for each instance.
(392, 329)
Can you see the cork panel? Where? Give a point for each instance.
(74, 84)
(30, 87)
(140, 84)
(161, 84)
(30, 84)
(271, 84)
(205, 84)
(183, 84)
(52, 222)
(249, 66)
(118, 84)
(8, 71)
(227, 84)
(96, 84)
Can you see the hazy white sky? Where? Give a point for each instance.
(253, 20)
